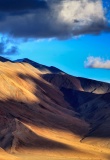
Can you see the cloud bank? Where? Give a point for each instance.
(97, 62)
(51, 18)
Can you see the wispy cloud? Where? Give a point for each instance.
(7, 47)
(97, 62)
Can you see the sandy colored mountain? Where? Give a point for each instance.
(48, 114)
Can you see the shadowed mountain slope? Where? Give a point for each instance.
(2, 59)
(77, 83)
(90, 99)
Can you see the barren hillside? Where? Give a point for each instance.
(48, 114)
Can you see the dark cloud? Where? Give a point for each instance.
(7, 47)
(52, 18)
(19, 5)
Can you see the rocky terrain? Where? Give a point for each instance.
(47, 114)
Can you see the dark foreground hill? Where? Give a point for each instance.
(48, 114)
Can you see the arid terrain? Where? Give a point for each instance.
(46, 114)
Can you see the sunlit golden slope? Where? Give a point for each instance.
(37, 122)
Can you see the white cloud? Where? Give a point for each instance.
(97, 62)
(57, 18)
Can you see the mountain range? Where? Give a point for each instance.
(48, 114)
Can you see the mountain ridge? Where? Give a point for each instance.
(45, 111)
(41, 66)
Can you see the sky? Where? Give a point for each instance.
(73, 35)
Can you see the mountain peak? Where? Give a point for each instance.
(39, 66)
(2, 59)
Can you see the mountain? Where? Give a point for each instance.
(2, 59)
(41, 67)
(46, 113)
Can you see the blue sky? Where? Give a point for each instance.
(68, 54)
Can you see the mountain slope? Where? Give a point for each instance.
(90, 99)
(40, 67)
(77, 83)
(25, 96)
(50, 114)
